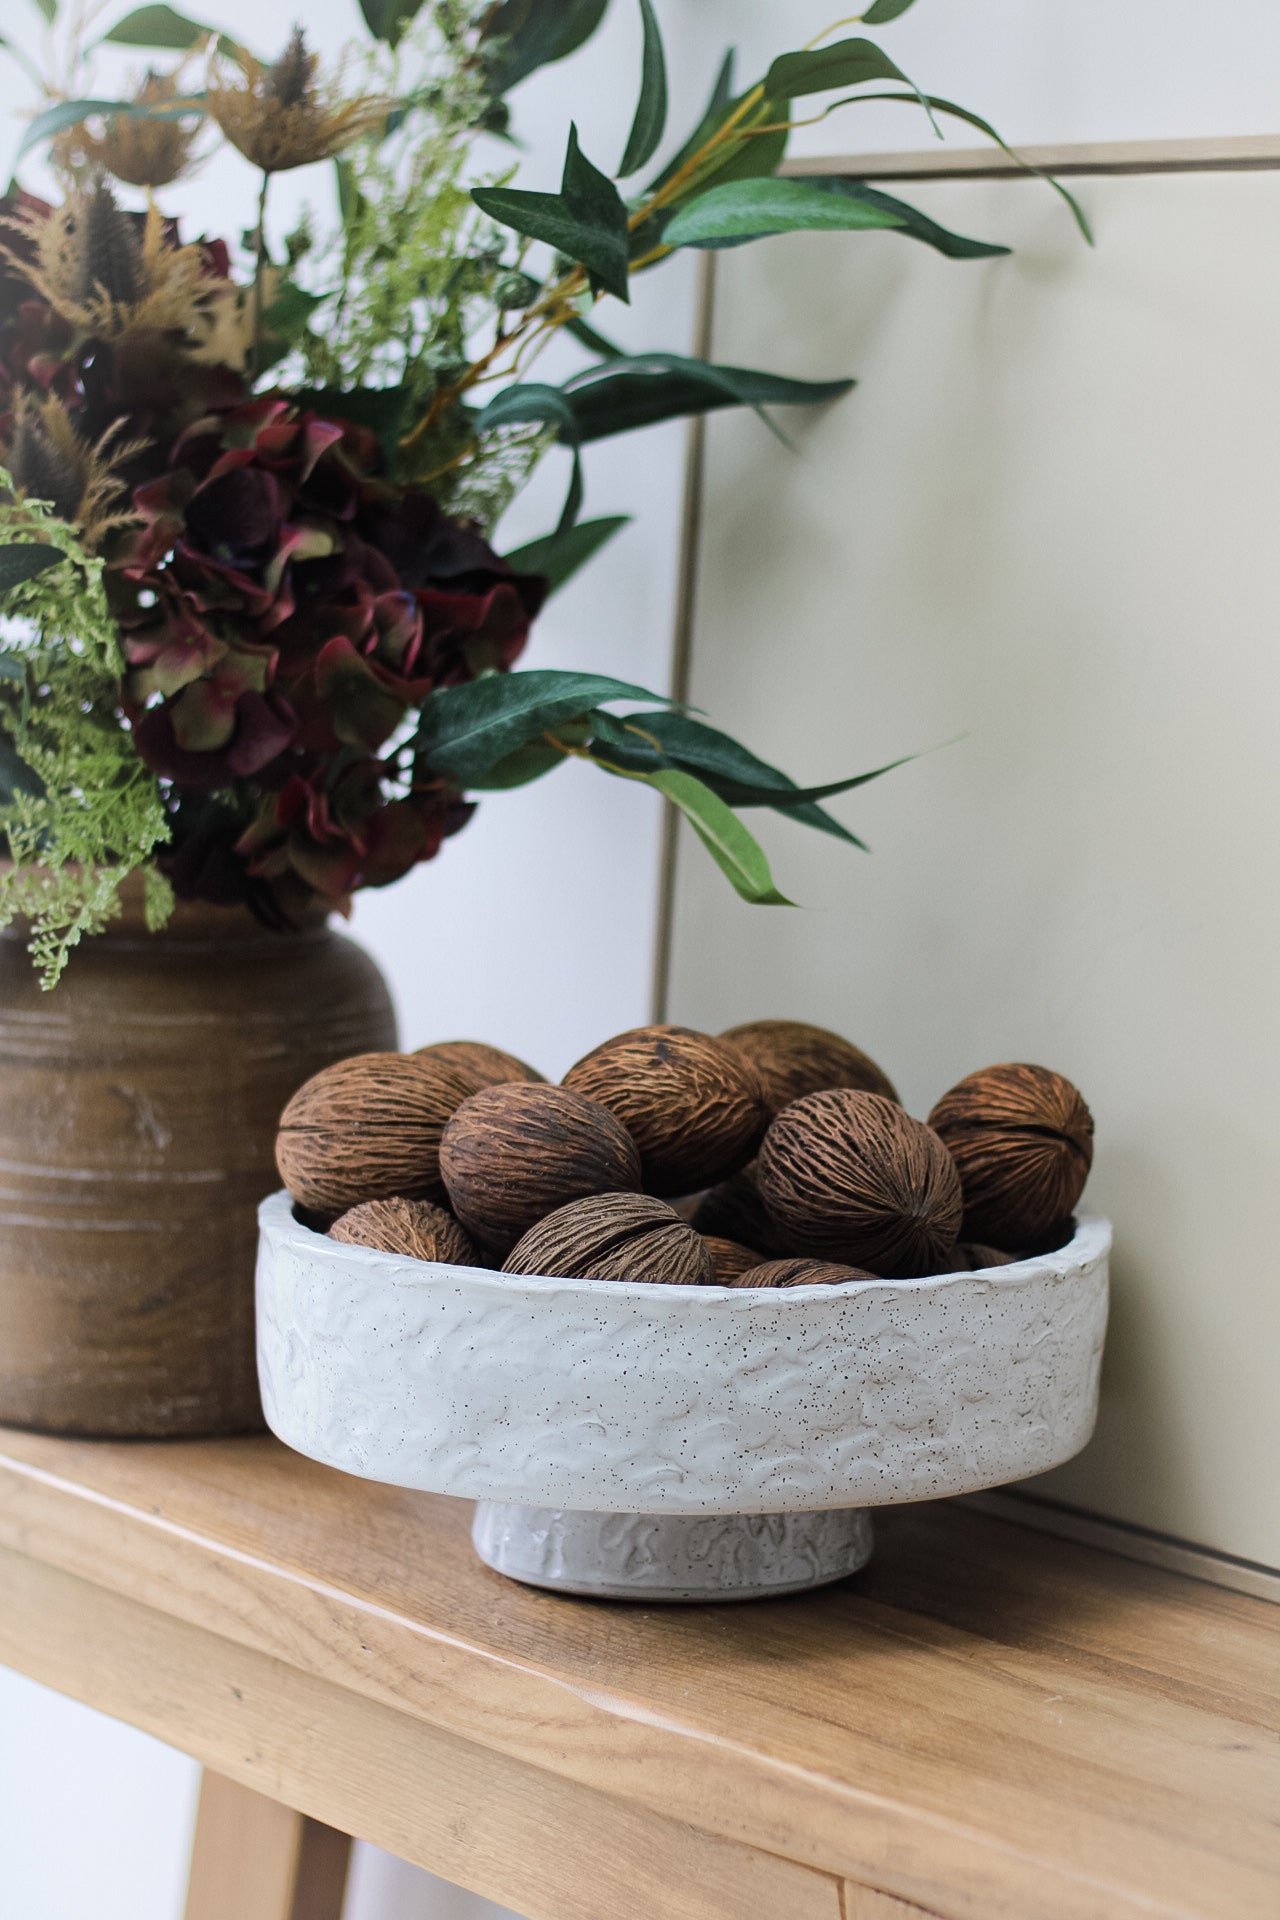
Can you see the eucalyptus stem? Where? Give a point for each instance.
(259, 275)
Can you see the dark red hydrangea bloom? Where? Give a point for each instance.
(283, 609)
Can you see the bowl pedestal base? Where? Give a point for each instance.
(671, 1556)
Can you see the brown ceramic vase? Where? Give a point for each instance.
(138, 1107)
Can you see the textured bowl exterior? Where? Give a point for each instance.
(625, 1398)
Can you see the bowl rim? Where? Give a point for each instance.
(1091, 1241)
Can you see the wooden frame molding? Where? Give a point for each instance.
(1251, 153)
(1247, 153)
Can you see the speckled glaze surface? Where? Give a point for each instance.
(602, 1397)
(672, 1556)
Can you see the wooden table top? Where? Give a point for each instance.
(987, 1723)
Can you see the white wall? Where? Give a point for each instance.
(535, 928)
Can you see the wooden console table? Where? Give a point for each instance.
(987, 1724)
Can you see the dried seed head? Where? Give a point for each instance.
(794, 1058)
(287, 115)
(49, 461)
(290, 80)
(735, 1210)
(693, 1104)
(731, 1259)
(800, 1273)
(615, 1236)
(977, 1258)
(1022, 1138)
(104, 257)
(368, 1128)
(849, 1176)
(109, 273)
(143, 152)
(412, 1227)
(512, 1154)
(488, 1066)
(40, 469)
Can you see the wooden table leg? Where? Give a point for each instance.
(864, 1903)
(254, 1859)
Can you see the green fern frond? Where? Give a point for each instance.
(79, 811)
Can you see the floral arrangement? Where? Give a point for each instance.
(258, 641)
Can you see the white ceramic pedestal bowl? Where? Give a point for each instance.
(676, 1443)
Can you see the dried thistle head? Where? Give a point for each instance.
(102, 273)
(143, 152)
(291, 80)
(48, 460)
(287, 114)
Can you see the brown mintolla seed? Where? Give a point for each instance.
(849, 1176)
(693, 1104)
(413, 1227)
(1022, 1138)
(800, 1273)
(615, 1236)
(734, 1209)
(976, 1257)
(731, 1259)
(514, 1153)
(486, 1066)
(368, 1128)
(794, 1058)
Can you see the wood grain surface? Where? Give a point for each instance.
(256, 1859)
(987, 1724)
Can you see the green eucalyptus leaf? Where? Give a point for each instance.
(729, 215)
(387, 19)
(157, 27)
(558, 556)
(641, 390)
(644, 741)
(883, 11)
(723, 88)
(739, 856)
(911, 222)
(24, 561)
(846, 63)
(587, 336)
(69, 113)
(466, 731)
(651, 109)
(533, 402)
(519, 769)
(984, 126)
(745, 155)
(587, 219)
(528, 34)
(933, 105)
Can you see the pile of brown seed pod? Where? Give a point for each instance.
(776, 1154)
